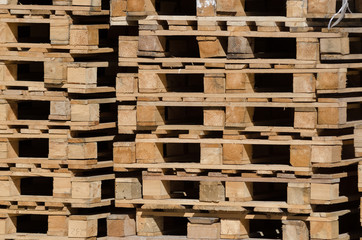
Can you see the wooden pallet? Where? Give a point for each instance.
(150, 151)
(57, 120)
(314, 115)
(129, 12)
(77, 7)
(211, 44)
(247, 82)
(55, 226)
(229, 225)
(51, 35)
(56, 189)
(55, 151)
(226, 190)
(76, 114)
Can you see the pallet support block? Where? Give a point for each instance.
(149, 225)
(58, 148)
(55, 72)
(136, 5)
(81, 75)
(212, 191)
(298, 194)
(334, 45)
(128, 46)
(236, 116)
(203, 228)
(152, 82)
(124, 152)
(8, 111)
(210, 47)
(8, 225)
(214, 117)
(149, 152)
(326, 154)
(304, 83)
(239, 191)
(59, 30)
(62, 187)
(59, 110)
(234, 153)
(83, 35)
(87, 190)
(332, 115)
(140, 7)
(322, 6)
(332, 80)
(3, 149)
(324, 229)
(151, 45)
(206, 8)
(155, 189)
(9, 33)
(8, 72)
(300, 155)
(87, 150)
(234, 228)
(211, 154)
(234, 7)
(321, 191)
(84, 112)
(10, 187)
(305, 118)
(3, 110)
(358, 141)
(295, 229)
(296, 8)
(127, 119)
(150, 115)
(128, 188)
(82, 227)
(242, 46)
(214, 83)
(239, 82)
(12, 149)
(126, 83)
(57, 225)
(120, 225)
(308, 49)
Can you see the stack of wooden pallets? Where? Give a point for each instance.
(57, 122)
(240, 118)
(180, 119)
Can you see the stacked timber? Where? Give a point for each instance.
(180, 119)
(57, 120)
(239, 119)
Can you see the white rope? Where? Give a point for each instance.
(341, 11)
